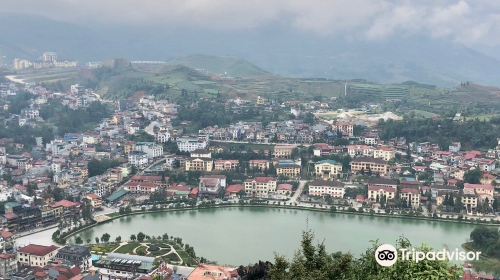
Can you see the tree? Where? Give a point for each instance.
(105, 237)
(118, 239)
(314, 263)
(483, 236)
(97, 240)
(141, 236)
(78, 240)
(473, 176)
(164, 237)
(133, 237)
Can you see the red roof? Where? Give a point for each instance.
(263, 179)
(410, 190)
(478, 186)
(378, 188)
(6, 234)
(65, 203)
(285, 187)
(37, 250)
(236, 188)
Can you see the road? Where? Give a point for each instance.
(295, 197)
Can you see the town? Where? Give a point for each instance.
(72, 159)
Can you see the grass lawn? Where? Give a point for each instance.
(103, 248)
(128, 248)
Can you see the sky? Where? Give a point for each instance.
(474, 23)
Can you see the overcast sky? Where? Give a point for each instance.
(473, 22)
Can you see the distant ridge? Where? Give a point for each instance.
(220, 65)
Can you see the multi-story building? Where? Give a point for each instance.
(411, 196)
(124, 266)
(212, 186)
(346, 129)
(360, 150)
(138, 159)
(333, 189)
(483, 192)
(189, 144)
(151, 149)
(213, 272)
(375, 193)
(36, 255)
(199, 164)
(8, 264)
(284, 151)
(226, 165)
(327, 169)
(77, 255)
(367, 164)
(382, 182)
(384, 153)
(260, 186)
(259, 164)
(288, 168)
(470, 202)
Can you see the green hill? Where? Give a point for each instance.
(220, 65)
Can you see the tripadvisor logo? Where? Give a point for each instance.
(387, 255)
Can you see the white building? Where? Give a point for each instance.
(189, 144)
(139, 159)
(151, 149)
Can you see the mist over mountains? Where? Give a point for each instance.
(275, 49)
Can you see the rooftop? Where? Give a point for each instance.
(37, 250)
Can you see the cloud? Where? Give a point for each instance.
(466, 21)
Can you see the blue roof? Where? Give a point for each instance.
(330, 161)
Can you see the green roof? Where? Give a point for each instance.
(117, 195)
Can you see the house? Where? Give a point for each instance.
(368, 164)
(233, 191)
(212, 186)
(77, 255)
(213, 272)
(7, 240)
(260, 186)
(327, 169)
(36, 255)
(288, 168)
(95, 200)
(411, 196)
(178, 191)
(226, 164)
(322, 149)
(284, 190)
(334, 189)
(8, 265)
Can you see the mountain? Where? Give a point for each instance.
(220, 65)
(274, 49)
